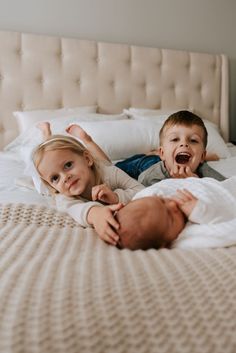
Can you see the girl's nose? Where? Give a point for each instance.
(67, 178)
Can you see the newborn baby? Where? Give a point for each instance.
(159, 213)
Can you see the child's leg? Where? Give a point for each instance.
(96, 151)
(212, 157)
(45, 128)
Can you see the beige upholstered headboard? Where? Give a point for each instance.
(42, 72)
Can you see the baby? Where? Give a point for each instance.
(156, 218)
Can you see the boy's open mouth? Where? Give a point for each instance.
(182, 158)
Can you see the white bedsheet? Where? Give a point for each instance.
(12, 168)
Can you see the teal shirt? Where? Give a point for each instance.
(158, 172)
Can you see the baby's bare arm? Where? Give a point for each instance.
(186, 201)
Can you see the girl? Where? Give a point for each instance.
(89, 190)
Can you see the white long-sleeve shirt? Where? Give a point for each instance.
(212, 222)
(117, 180)
(216, 199)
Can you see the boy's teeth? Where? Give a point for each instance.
(182, 158)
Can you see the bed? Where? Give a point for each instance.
(61, 288)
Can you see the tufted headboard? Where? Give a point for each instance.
(45, 72)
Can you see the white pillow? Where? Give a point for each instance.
(26, 119)
(122, 139)
(159, 115)
(118, 138)
(30, 138)
(216, 143)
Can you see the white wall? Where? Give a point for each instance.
(198, 25)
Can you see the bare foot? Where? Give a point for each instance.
(212, 157)
(77, 131)
(153, 152)
(45, 128)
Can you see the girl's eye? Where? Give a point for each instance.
(68, 165)
(194, 141)
(54, 179)
(175, 139)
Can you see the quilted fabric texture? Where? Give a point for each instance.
(64, 290)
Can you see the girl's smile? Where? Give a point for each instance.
(67, 172)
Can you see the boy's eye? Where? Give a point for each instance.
(68, 165)
(194, 141)
(174, 139)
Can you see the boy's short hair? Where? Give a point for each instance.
(183, 117)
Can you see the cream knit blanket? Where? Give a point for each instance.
(62, 290)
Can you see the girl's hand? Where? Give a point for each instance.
(104, 222)
(103, 193)
(182, 172)
(186, 201)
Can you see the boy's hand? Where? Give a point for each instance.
(104, 222)
(186, 201)
(103, 193)
(182, 172)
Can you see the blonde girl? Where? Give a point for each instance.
(90, 191)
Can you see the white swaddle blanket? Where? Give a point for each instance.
(215, 211)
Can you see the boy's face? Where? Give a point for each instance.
(182, 146)
(67, 172)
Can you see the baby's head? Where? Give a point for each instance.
(63, 164)
(149, 222)
(183, 140)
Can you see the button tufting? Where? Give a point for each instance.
(19, 52)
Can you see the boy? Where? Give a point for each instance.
(182, 151)
(155, 218)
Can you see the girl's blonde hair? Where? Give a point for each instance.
(61, 142)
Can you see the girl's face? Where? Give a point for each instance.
(67, 172)
(183, 146)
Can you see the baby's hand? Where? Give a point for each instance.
(186, 201)
(182, 172)
(77, 131)
(104, 222)
(104, 194)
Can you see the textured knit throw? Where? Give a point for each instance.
(63, 290)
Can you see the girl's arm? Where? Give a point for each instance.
(123, 185)
(104, 222)
(93, 214)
